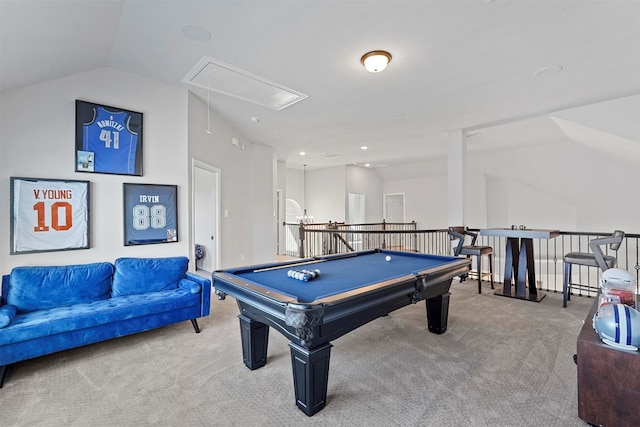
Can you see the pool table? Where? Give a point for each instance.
(351, 290)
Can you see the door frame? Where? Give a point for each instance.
(217, 177)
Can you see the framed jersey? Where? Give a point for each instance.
(150, 214)
(108, 139)
(49, 215)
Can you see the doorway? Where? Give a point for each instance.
(206, 214)
(394, 207)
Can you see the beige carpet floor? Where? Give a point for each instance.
(502, 362)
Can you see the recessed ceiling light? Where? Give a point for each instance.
(364, 147)
(549, 70)
(302, 153)
(367, 165)
(254, 119)
(196, 33)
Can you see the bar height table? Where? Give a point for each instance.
(519, 260)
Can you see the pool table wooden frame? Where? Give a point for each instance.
(312, 326)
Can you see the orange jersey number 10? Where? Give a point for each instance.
(55, 216)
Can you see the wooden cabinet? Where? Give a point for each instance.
(608, 380)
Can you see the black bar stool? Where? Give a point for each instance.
(594, 259)
(459, 233)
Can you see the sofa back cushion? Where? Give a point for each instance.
(40, 288)
(141, 275)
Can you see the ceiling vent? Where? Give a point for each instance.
(223, 78)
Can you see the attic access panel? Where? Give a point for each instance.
(226, 79)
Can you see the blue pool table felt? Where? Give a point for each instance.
(342, 274)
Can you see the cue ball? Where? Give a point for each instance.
(387, 258)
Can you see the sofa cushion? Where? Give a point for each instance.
(39, 288)
(59, 320)
(7, 314)
(142, 275)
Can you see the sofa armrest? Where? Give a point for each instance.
(203, 281)
(7, 314)
(205, 301)
(5, 289)
(190, 286)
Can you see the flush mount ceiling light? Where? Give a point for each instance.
(376, 61)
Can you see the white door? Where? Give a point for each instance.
(394, 207)
(355, 215)
(206, 225)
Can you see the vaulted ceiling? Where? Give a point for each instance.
(496, 69)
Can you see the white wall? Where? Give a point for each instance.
(295, 186)
(366, 181)
(263, 208)
(248, 228)
(497, 200)
(37, 137)
(281, 186)
(326, 190)
(425, 200)
(425, 194)
(563, 185)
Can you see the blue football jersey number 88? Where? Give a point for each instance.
(145, 217)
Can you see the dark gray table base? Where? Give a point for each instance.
(519, 263)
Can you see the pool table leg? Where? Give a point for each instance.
(310, 376)
(255, 338)
(437, 313)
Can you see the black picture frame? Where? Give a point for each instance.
(49, 215)
(108, 139)
(150, 214)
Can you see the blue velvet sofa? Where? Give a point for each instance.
(48, 309)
